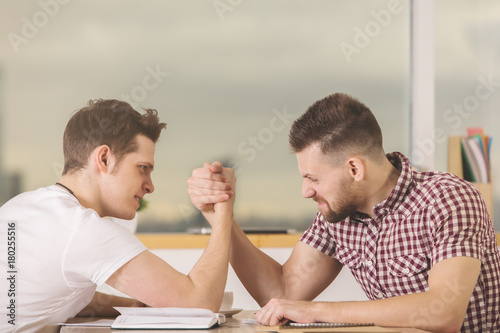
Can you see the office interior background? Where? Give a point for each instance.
(229, 77)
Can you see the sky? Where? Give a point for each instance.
(228, 78)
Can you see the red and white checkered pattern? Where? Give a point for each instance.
(428, 217)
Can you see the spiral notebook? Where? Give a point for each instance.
(327, 327)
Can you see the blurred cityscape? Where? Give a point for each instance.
(11, 184)
(196, 223)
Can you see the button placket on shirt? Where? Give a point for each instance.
(373, 234)
(370, 261)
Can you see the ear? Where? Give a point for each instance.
(356, 168)
(102, 158)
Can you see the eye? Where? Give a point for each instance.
(311, 180)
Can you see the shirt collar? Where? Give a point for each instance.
(404, 183)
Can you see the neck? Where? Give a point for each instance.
(381, 182)
(82, 190)
(66, 188)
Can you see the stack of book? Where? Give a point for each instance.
(476, 156)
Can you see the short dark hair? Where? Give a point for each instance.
(106, 122)
(341, 125)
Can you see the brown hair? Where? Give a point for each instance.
(106, 122)
(341, 125)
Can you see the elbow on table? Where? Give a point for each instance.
(447, 323)
(211, 305)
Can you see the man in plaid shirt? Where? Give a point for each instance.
(421, 244)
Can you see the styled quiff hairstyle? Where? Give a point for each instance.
(106, 122)
(341, 125)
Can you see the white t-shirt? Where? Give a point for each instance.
(53, 254)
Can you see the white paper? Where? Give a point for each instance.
(167, 318)
(165, 312)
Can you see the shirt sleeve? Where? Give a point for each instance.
(318, 236)
(460, 223)
(97, 249)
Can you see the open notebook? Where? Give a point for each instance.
(166, 318)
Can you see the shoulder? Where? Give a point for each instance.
(437, 187)
(317, 234)
(52, 205)
(430, 186)
(50, 194)
(44, 200)
(448, 198)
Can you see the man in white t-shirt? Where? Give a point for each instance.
(58, 243)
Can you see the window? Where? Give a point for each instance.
(229, 78)
(468, 74)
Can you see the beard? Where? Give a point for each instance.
(341, 213)
(345, 206)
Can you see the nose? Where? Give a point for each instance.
(307, 190)
(148, 186)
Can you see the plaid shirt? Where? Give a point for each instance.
(427, 218)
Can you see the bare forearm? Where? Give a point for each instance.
(440, 309)
(422, 310)
(210, 272)
(260, 274)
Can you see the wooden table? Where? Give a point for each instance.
(234, 324)
(187, 241)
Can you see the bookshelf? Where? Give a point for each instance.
(455, 167)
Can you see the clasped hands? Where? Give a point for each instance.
(212, 187)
